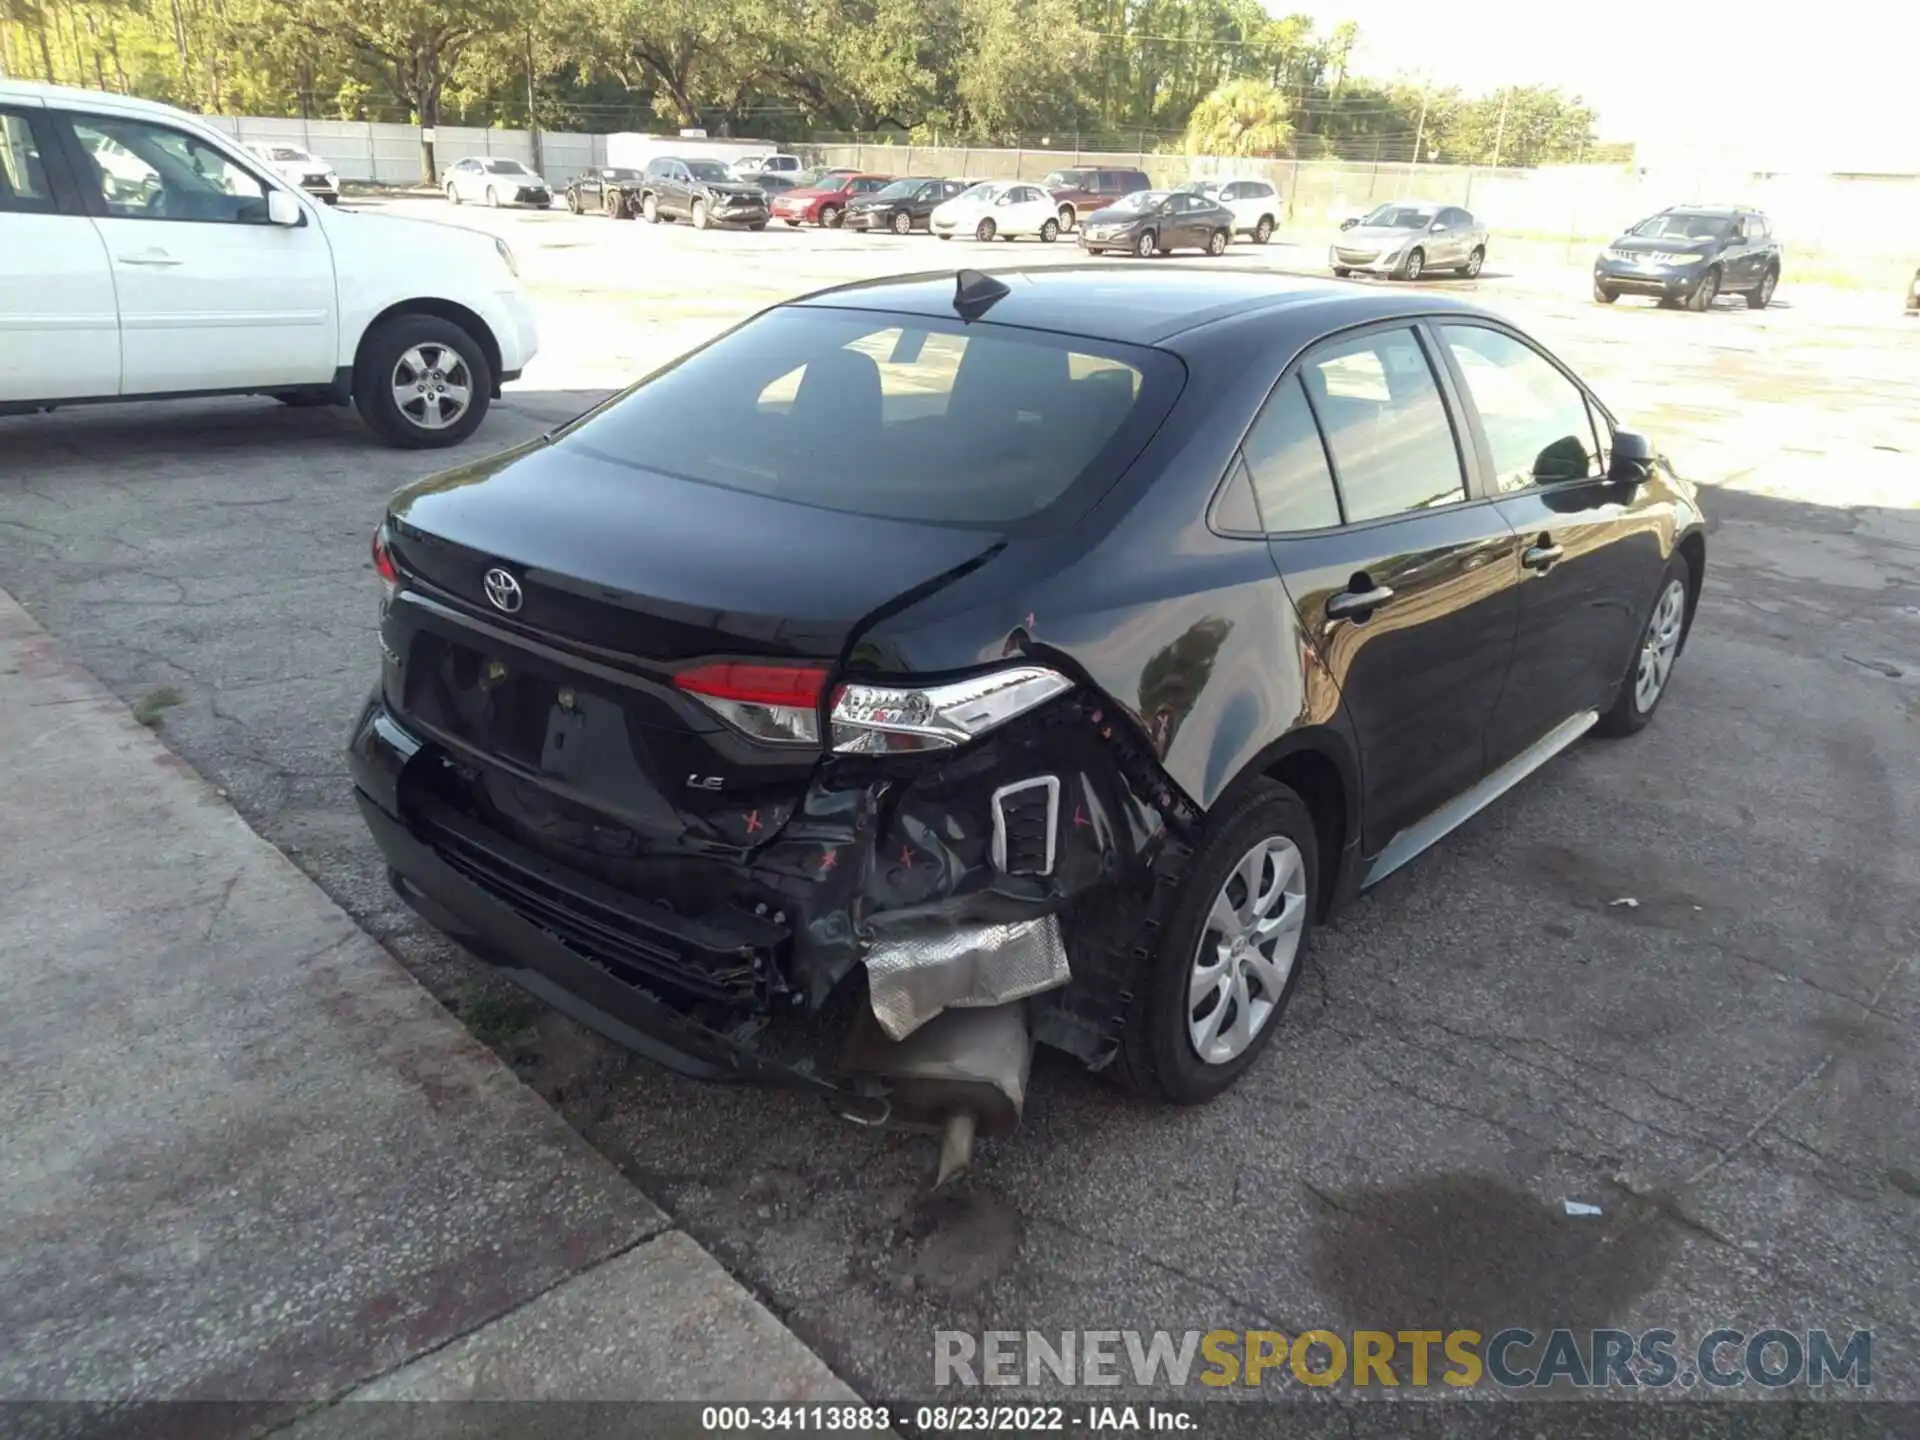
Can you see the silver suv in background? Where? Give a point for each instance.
(1410, 238)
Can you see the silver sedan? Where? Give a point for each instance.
(1410, 238)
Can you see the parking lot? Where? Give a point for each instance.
(1673, 977)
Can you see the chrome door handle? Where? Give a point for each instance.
(1541, 557)
(1357, 604)
(149, 257)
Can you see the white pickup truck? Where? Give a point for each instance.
(147, 256)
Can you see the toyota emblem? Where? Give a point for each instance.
(503, 591)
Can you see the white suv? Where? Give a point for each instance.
(149, 256)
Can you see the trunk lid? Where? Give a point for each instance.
(565, 700)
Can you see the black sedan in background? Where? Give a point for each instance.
(945, 664)
(1156, 222)
(902, 207)
(604, 188)
(1691, 255)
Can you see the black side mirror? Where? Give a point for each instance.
(1348, 223)
(1633, 458)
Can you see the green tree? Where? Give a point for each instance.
(1242, 117)
(1523, 125)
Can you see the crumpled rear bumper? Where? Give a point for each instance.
(942, 921)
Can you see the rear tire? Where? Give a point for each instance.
(1602, 294)
(699, 215)
(1158, 1052)
(1217, 243)
(1474, 261)
(1263, 232)
(381, 353)
(573, 202)
(1066, 217)
(1763, 297)
(1665, 632)
(453, 194)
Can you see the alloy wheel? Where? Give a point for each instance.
(902, 223)
(1416, 262)
(1217, 243)
(432, 386)
(1247, 950)
(1660, 644)
(1145, 245)
(1474, 262)
(1766, 290)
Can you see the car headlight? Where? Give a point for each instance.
(506, 254)
(333, 178)
(1671, 257)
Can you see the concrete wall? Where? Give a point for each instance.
(390, 154)
(1838, 218)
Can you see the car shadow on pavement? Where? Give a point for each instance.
(137, 437)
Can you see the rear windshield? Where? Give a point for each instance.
(897, 416)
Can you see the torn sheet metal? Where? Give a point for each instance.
(914, 974)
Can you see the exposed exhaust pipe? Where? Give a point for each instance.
(964, 1073)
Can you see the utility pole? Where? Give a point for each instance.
(533, 116)
(1420, 131)
(1500, 130)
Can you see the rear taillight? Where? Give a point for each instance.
(383, 565)
(781, 704)
(883, 719)
(776, 703)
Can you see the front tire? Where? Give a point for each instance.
(421, 383)
(453, 194)
(1049, 232)
(1230, 955)
(573, 202)
(1341, 272)
(699, 215)
(1602, 294)
(902, 223)
(1147, 246)
(650, 209)
(1645, 683)
(830, 217)
(1705, 293)
(1414, 265)
(493, 198)
(984, 231)
(613, 205)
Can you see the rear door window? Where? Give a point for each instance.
(906, 417)
(1292, 484)
(1387, 428)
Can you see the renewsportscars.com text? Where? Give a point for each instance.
(1511, 1359)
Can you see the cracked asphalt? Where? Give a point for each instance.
(1726, 1066)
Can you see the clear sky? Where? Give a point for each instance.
(1833, 85)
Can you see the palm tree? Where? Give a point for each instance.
(1242, 117)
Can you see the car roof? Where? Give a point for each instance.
(1108, 302)
(34, 92)
(1716, 212)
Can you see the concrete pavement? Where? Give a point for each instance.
(244, 1156)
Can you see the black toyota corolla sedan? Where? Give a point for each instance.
(940, 665)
